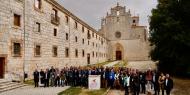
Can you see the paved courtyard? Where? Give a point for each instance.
(142, 65)
(30, 90)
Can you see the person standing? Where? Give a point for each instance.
(116, 82)
(57, 78)
(136, 84)
(155, 82)
(103, 78)
(142, 82)
(149, 75)
(107, 77)
(52, 77)
(36, 77)
(42, 77)
(46, 78)
(111, 78)
(62, 78)
(126, 81)
(161, 83)
(168, 84)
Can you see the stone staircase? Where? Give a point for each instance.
(6, 85)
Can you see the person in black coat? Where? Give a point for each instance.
(106, 77)
(155, 83)
(142, 78)
(42, 76)
(136, 85)
(46, 78)
(168, 84)
(36, 77)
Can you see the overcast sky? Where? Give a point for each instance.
(91, 11)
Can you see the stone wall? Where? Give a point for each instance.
(27, 34)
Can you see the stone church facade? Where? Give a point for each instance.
(38, 34)
(127, 39)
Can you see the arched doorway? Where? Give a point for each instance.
(119, 52)
(118, 55)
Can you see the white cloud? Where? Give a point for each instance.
(91, 11)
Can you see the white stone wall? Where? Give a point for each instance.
(45, 38)
(9, 33)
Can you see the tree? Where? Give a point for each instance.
(170, 35)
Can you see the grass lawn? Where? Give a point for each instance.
(121, 64)
(99, 64)
(82, 91)
(181, 86)
(71, 91)
(96, 92)
(29, 82)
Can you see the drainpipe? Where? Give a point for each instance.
(24, 24)
(69, 40)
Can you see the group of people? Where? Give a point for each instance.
(130, 80)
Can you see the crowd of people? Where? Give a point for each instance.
(127, 79)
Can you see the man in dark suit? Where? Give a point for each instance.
(168, 84)
(42, 76)
(46, 78)
(155, 82)
(36, 77)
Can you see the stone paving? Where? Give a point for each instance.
(142, 65)
(30, 90)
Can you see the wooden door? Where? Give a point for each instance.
(118, 55)
(2, 63)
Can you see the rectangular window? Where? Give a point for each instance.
(67, 19)
(54, 51)
(38, 27)
(66, 52)
(83, 53)
(88, 34)
(37, 50)
(83, 29)
(93, 53)
(54, 17)
(82, 41)
(16, 49)
(76, 39)
(55, 32)
(54, 13)
(76, 53)
(17, 19)
(67, 36)
(76, 25)
(93, 35)
(37, 4)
